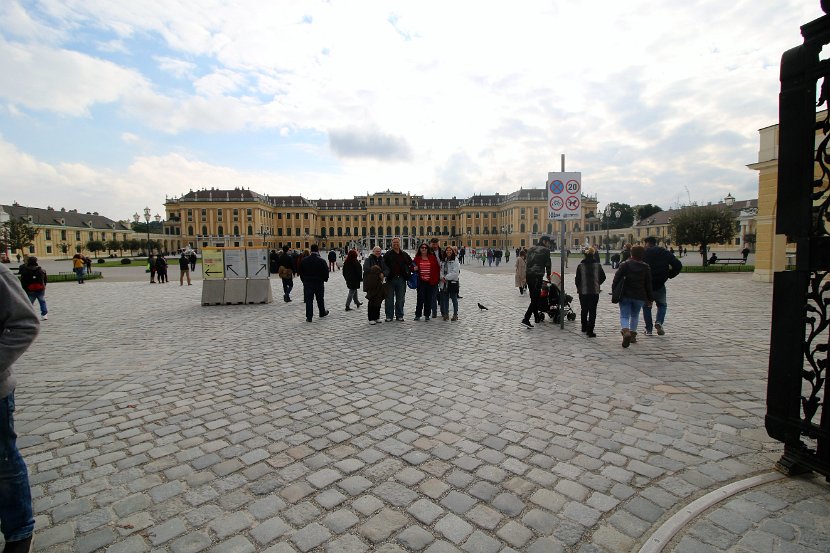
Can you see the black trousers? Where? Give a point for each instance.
(588, 311)
(534, 288)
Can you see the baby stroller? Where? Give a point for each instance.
(549, 300)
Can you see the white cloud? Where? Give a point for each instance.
(438, 98)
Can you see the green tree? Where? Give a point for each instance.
(646, 210)
(114, 245)
(20, 234)
(95, 246)
(703, 225)
(64, 248)
(132, 244)
(626, 218)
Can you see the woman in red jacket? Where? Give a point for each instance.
(429, 273)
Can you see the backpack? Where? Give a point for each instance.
(33, 280)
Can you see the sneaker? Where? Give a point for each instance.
(527, 323)
(648, 333)
(388, 320)
(20, 546)
(373, 322)
(379, 321)
(426, 319)
(348, 308)
(590, 335)
(323, 314)
(417, 319)
(308, 320)
(45, 318)
(400, 319)
(659, 328)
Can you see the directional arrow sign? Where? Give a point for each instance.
(212, 263)
(256, 260)
(234, 262)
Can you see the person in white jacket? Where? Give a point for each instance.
(450, 274)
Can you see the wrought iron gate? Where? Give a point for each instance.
(798, 363)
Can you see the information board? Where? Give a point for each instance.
(213, 263)
(235, 263)
(564, 195)
(256, 260)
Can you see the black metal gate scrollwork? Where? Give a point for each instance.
(799, 348)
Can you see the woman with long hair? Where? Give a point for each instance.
(520, 280)
(429, 273)
(450, 274)
(353, 273)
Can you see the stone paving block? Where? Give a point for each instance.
(395, 494)
(415, 538)
(133, 544)
(458, 502)
(382, 525)
(515, 534)
(93, 541)
(341, 520)
(166, 531)
(237, 544)
(425, 511)
(479, 542)
(269, 530)
(454, 528)
(191, 543)
(230, 524)
(347, 544)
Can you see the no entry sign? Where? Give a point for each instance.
(564, 197)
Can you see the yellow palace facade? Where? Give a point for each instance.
(241, 217)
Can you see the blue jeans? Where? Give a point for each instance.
(630, 313)
(426, 299)
(16, 517)
(80, 274)
(40, 296)
(395, 297)
(662, 307)
(446, 296)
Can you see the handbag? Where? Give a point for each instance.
(452, 286)
(412, 281)
(617, 291)
(285, 273)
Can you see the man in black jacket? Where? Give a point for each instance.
(664, 265)
(538, 266)
(396, 263)
(314, 272)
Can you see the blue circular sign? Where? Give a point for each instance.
(557, 186)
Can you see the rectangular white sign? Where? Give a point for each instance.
(257, 261)
(564, 195)
(234, 262)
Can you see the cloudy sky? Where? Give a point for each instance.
(113, 105)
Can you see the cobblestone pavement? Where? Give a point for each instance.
(153, 424)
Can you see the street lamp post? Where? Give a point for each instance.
(147, 218)
(607, 215)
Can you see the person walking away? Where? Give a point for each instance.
(396, 267)
(538, 267)
(625, 253)
(450, 278)
(184, 269)
(18, 329)
(745, 253)
(353, 274)
(78, 267)
(461, 253)
(314, 273)
(151, 263)
(192, 258)
(520, 279)
(332, 260)
(489, 257)
(273, 262)
(88, 265)
(636, 293)
(664, 266)
(429, 273)
(161, 269)
(507, 256)
(33, 279)
(373, 284)
(285, 270)
(589, 277)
